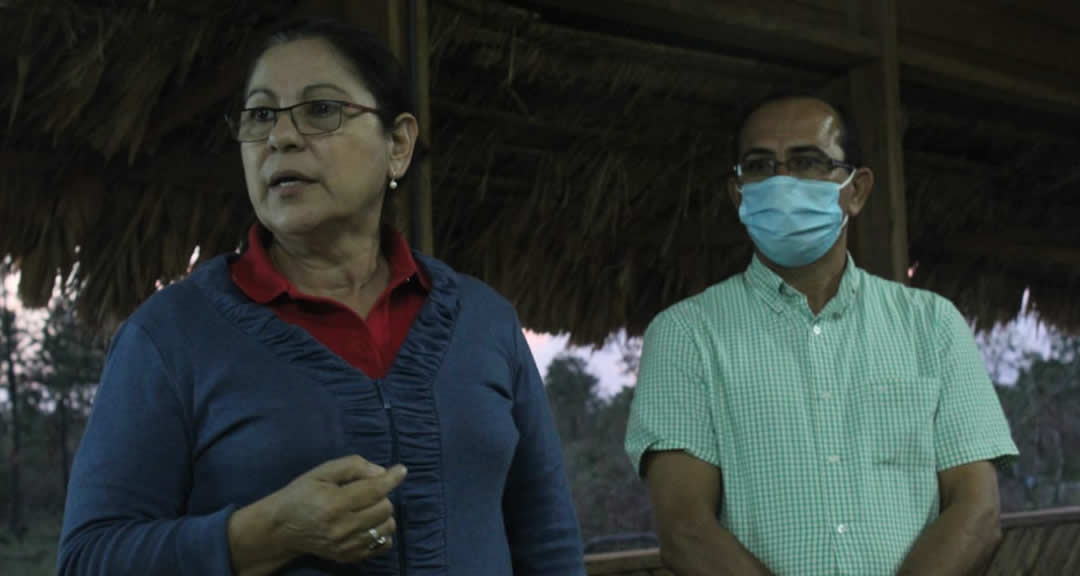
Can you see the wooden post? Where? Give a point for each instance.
(421, 227)
(384, 19)
(403, 26)
(880, 232)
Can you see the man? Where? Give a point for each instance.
(806, 418)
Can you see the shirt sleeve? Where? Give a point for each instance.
(541, 524)
(672, 399)
(970, 425)
(125, 511)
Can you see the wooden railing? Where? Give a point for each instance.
(1043, 543)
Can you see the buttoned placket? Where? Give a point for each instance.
(829, 408)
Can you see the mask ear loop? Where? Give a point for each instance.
(850, 179)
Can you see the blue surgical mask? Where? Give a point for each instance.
(793, 222)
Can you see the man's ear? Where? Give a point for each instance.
(733, 192)
(861, 186)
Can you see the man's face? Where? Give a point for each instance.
(795, 130)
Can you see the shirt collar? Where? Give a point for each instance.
(256, 275)
(779, 295)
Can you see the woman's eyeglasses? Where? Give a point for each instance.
(310, 118)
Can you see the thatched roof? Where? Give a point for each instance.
(578, 171)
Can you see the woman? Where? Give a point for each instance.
(260, 415)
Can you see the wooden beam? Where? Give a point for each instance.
(404, 27)
(628, 562)
(975, 31)
(385, 19)
(881, 242)
(735, 29)
(422, 227)
(923, 67)
(478, 26)
(1046, 517)
(716, 26)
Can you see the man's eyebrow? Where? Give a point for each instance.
(805, 150)
(758, 152)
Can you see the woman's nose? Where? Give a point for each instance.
(284, 134)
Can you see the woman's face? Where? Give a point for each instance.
(342, 175)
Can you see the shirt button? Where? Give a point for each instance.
(834, 459)
(817, 330)
(841, 528)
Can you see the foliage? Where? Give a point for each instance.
(629, 351)
(1043, 409)
(57, 365)
(13, 349)
(69, 360)
(610, 498)
(34, 555)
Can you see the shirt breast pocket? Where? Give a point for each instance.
(899, 414)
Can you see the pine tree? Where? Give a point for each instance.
(68, 364)
(12, 346)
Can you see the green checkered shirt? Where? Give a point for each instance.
(829, 431)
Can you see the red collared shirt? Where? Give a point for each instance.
(369, 344)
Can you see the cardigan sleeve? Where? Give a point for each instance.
(542, 526)
(125, 511)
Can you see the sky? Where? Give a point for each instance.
(603, 363)
(1027, 335)
(1005, 347)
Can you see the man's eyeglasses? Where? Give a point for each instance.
(808, 167)
(310, 118)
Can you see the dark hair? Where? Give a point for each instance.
(369, 58)
(849, 134)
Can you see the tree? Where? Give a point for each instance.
(571, 390)
(1043, 409)
(68, 364)
(12, 346)
(629, 351)
(611, 501)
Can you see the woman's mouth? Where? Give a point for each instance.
(288, 184)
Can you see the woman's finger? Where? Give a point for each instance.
(365, 544)
(348, 525)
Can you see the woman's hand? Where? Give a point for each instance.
(327, 512)
(330, 511)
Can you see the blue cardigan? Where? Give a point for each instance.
(209, 402)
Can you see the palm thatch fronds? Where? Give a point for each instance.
(580, 172)
(588, 171)
(89, 175)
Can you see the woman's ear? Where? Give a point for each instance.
(402, 143)
(861, 186)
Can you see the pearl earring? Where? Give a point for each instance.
(393, 184)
